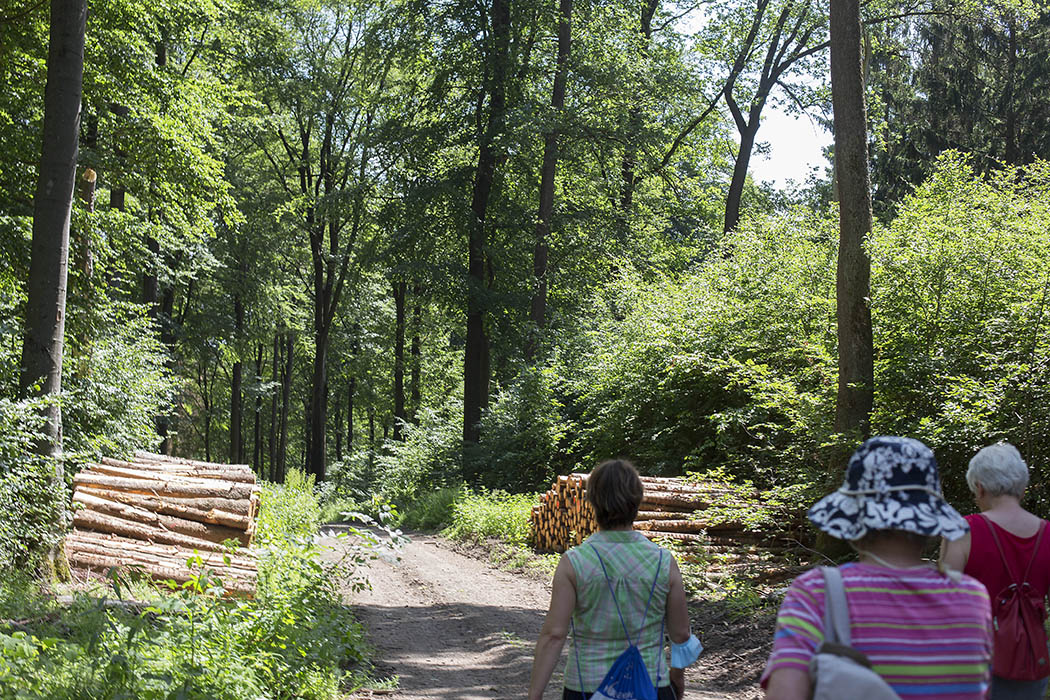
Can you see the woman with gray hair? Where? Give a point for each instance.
(1006, 551)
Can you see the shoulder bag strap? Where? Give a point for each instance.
(995, 536)
(1035, 552)
(608, 582)
(645, 615)
(836, 611)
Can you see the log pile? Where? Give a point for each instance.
(156, 513)
(707, 519)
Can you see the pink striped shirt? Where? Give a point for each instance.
(926, 635)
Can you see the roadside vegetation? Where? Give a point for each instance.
(124, 637)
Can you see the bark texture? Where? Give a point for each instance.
(856, 370)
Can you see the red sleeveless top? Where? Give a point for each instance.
(985, 564)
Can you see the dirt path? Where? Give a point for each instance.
(453, 627)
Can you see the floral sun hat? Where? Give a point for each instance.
(891, 484)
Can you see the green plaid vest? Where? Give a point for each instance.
(631, 561)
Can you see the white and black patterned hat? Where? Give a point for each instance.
(891, 484)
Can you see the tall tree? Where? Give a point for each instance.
(538, 308)
(476, 367)
(856, 369)
(52, 209)
(781, 36)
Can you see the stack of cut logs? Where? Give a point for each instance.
(671, 509)
(156, 513)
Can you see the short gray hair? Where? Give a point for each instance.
(1000, 470)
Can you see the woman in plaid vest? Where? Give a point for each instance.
(647, 585)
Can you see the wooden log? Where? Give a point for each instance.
(228, 490)
(137, 472)
(193, 528)
(675, 500)
(179, 559)
(99, 522)
(142, 455)
(686, 526)
(243, 557)
(231, 583)
(678, 536)
(200, 510)
(224, 474)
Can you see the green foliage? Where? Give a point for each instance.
(288, 511)
(480, 514)
(427, 459)
(959, 298)
(523, 432)
(432, 510)
(32, 521)
(730, 364)
(115, 381)
(295, 639)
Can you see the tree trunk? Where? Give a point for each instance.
(416, 353)
(52, 207)
(350, 414)
(236, 383)
(1010, 106)
(286, 399)
(318, 413)
(338, 427)
(856, 382)
(736, 187)
(371, 441)
(256, 427)
(475, 356)
(167, 338)
(399, 289)
(538, 308)
(275, 373)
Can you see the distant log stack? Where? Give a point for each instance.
(155, 513)
(708, 517)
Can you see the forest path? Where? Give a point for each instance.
(453, 627)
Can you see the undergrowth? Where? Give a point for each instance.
(295, 639)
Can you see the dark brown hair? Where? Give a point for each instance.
(615, 491)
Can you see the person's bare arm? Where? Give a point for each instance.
(677, 623)
(677, 610)
(788, 684)
(555, 628)
(954, 554)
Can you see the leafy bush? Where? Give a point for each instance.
(427, 458)
(115, 379)
(523, 431)
(432, 510)
(31, 521)
(294, 640)
(959, 307)
(288, 511)
(479, 514)
(730, 364)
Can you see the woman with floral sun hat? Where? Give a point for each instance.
(926, 633)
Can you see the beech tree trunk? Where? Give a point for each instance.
(52, 207)
(736, 186)
(256, 426)
(275, 373)
(476, 353)
(286, 400)
(416, 353)
(236, 384)
(538, 308)
(351, 388)
(856, 381)
(399, 289)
